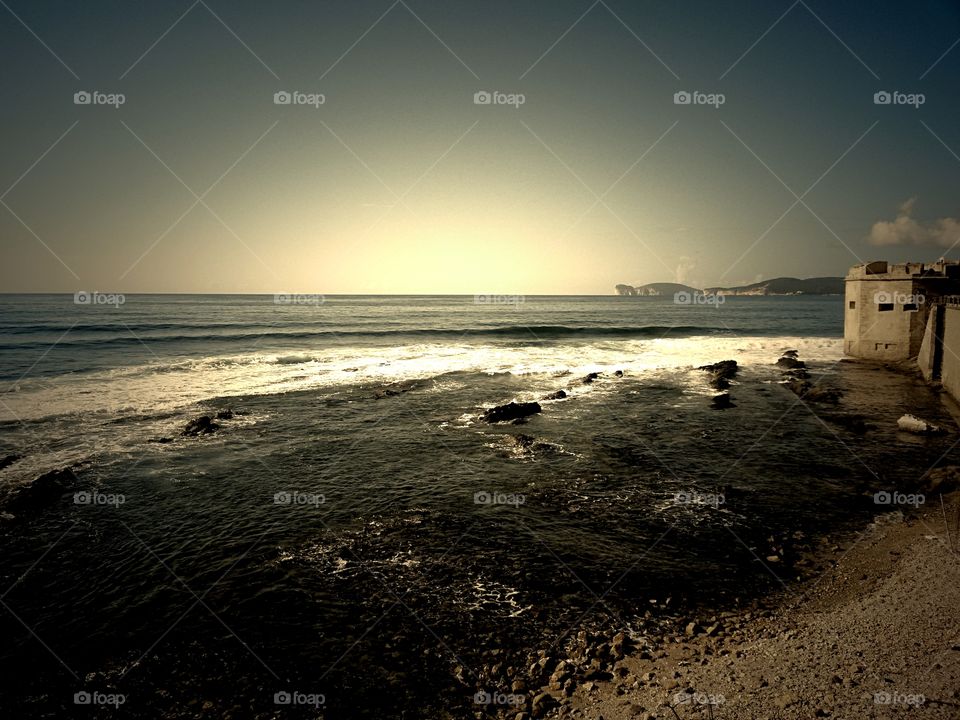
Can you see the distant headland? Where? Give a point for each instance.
(776, 286)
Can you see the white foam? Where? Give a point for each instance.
(180, 383)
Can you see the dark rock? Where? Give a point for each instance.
(790, 353)
(942, 480)
(618, 373)
(814, 393)
(558, 395)
(590, 378)
(853, 423)
(722, 372)
(202, 425)
(510, 411)
(43, 491)
(225, 414)
(791, 362)
(521, 441)
(161, 440)
(722, 401)
(542, 703)
(9, 460)
(394, 389)
(724, 368)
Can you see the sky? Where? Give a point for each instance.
(389, 173)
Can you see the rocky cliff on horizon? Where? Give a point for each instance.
(775, 286)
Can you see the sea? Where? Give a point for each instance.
(353, 540)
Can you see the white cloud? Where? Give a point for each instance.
(906, 230)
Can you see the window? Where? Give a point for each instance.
(885, 307)
(909, 307)
(853, 305)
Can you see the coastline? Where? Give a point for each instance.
(873, 631)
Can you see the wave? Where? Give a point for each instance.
(518, 332)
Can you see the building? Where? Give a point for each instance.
(887, 306)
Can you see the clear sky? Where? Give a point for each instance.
(399, 182)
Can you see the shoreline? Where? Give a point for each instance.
(875, 631)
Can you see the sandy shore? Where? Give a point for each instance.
(874, 633)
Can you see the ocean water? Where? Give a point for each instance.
(383, 549)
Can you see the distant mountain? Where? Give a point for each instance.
(656, 289)
(786, 286)
(777, 286)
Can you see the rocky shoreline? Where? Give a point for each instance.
(871, 631)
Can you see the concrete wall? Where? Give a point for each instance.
(880, 334)
(950, 369)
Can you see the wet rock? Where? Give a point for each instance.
(202, 425)
(42, 492)
(722, 401)
(942, 479)
(853, 423)
(394, 389)
(722, 372)
(814, 393)
(913, 424)
(9, 460)
(510, 411)
(618, 373)
(790, 353)
(590, 377)
(225, 414)
(791, 362)
(521, 441)
(558, 395)
(161, 440)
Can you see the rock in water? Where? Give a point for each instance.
(558, 395)
(722, 401)
(913, 424)
(45, 490)
(225, 414)
(722, 372)
(202, 425)
(9, 460)
(790, 361)
(510, 411)
(590, 377)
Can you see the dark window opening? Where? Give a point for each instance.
(886, 307)
(853, 304)
(909, 307)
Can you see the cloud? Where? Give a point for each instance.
(906, 230)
